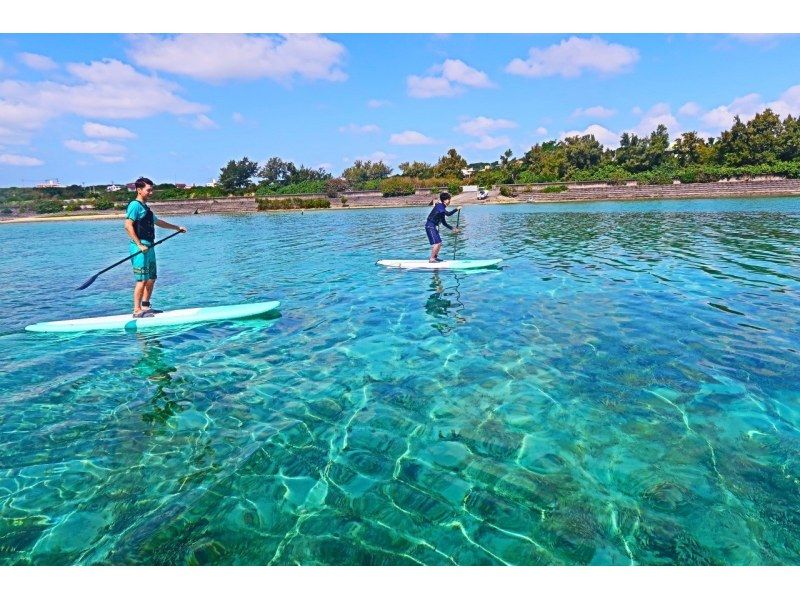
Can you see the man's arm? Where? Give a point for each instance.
(165, 224)
(132, 234)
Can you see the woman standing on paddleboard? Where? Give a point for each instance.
(435, 218)
(140, 223)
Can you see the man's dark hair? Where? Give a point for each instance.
(444, 196)
(141, 182)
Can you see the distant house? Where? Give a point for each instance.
(131, 186)
(113, 187)
(467, 171)
(49, 184)
(182, 186)
(213, 183)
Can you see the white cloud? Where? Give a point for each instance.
(541, 131)
(594, 112)
(410, 138)
(603, 135)
(636, 110)
(102, 89)
(455, 77)
(103, 151)
(487, 142)
(19, 119)
(238, 118)
(203, 123)
(458, 71)
(378, 103)
(17, 160)
(482, 125)
(359, 129)
(37, 61)
(223, 57)
(325, 166)
(788, 102)
(431, 87)
(94, 147)
(660, 114)
(722, 117)
(573, 56)
(746, 107)
(106, 132)
(689, 109)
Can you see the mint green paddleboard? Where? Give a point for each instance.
(443, 265)
(167, 318)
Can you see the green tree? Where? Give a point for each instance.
(418, 170)
(764, 132)
(275, 171)
(582, 151)
(236, 175)
(657, 146)
(789, 140)
(639, 154)
(450, 165)
(688, 149)
(335, 186)
(732, 148)
(365, 170)
(396, 186)
(545, 162)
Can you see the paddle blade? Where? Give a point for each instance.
(87, 283)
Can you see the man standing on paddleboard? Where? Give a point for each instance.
(140, 223)
(435, 218)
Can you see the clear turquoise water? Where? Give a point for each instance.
(625, 390)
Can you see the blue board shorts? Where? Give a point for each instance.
(433, 235)
(144, 264)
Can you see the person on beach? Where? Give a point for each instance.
(435, 218)
(140, 223)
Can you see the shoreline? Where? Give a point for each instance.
(247, 205)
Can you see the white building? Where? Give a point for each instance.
(49, 184)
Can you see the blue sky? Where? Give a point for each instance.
(96, 108)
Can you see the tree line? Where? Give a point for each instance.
(764, 145)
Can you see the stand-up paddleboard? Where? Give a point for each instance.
(444, 265)
(166, 318)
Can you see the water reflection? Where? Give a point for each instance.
(155, 367)
(443, 301)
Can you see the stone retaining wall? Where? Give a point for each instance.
(754, 188)
(533, 194)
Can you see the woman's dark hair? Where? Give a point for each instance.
(142, 181)
(444, 196)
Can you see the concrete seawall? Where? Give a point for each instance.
(522, 194)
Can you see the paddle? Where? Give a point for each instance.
(458, 219)
(93, 278)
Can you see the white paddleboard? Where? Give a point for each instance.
(444, 265)
(167, 318)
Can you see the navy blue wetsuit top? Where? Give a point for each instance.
(436, 217)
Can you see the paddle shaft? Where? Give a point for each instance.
(122, 261)
(458, 219)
